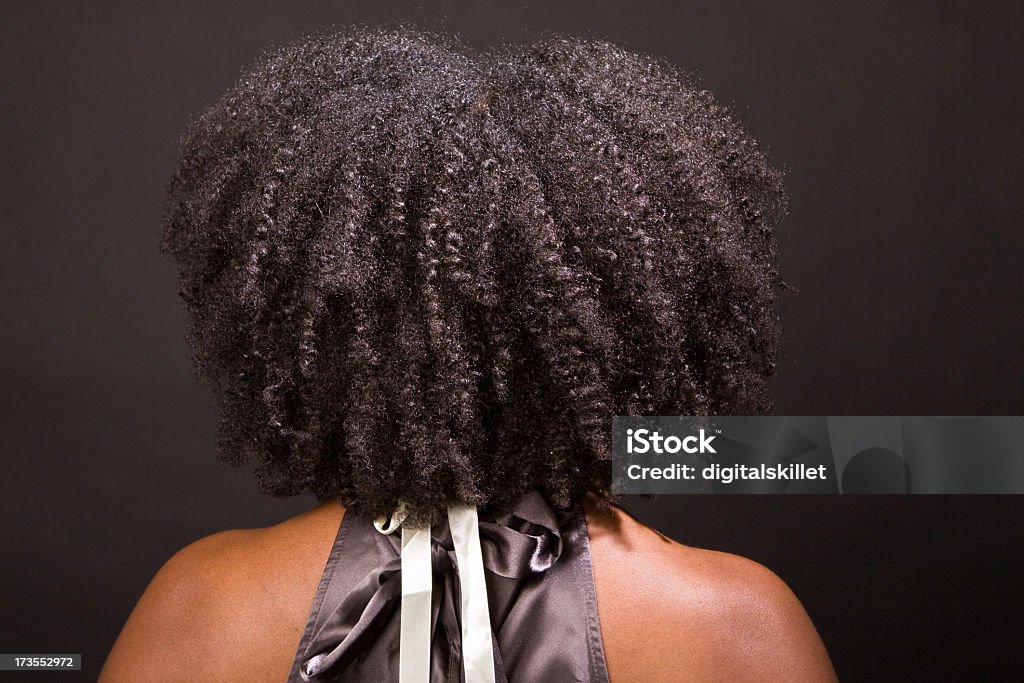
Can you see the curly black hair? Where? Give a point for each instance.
(416, 273)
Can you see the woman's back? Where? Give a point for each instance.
(523, 608)
(233, 607)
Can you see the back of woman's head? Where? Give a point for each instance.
(414, 273)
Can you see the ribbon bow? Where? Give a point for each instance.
(422, 576)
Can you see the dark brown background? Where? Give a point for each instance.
(897, 122)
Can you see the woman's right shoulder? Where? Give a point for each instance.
(671, 612)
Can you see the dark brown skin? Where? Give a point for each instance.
(232, 606)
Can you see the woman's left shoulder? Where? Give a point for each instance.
(229, 606)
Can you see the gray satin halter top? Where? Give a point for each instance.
(540, 589)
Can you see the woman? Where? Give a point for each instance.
(421, 282)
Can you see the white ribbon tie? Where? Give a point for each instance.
(417, 580)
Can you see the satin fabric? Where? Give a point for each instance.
(540, 589)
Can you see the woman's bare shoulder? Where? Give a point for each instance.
(232, 606)
(228, 607)
(674, 613)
